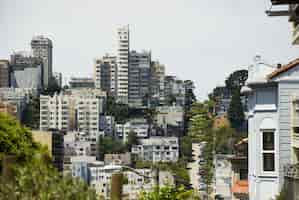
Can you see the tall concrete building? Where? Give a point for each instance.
(157, 78)
(139, 78)
(105, 74)
(42, 48)
(26, 71)
(123, 49)
(4, 73)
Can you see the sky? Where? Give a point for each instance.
(200, 40)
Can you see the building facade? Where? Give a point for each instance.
(174, 90)
(81, 82)
(170, 119)
(105, 74)
(123, 50)
(4, 73)
(42, 48)
(18, 98)
(80, 110)
(26, 71)
(157, 78)
(139, 78)
(273, 126)
(157, 149)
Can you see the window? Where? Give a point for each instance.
(268, 151)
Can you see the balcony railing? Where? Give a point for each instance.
(292, 171)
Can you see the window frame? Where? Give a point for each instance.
(274, 151)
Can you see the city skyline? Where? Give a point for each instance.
(191, 46)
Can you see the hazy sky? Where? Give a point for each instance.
(201, 40)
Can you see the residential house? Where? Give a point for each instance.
(273, 125)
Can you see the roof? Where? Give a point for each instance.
(284, 68)
(240, 187)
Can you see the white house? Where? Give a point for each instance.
(272, 126)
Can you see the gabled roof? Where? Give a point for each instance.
(284, 68)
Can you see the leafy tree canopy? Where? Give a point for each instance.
(36, 180)
(236, 80)
(109, 145)
(169, 193)
(118, 110)
(31, 113)
(236, 112)
(16, 139)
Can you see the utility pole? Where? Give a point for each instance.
(116, 186)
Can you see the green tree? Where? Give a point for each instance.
(36, 180)
(225, 138)
(186, 148)
(150, 115)
(34, 177)
(132, 140)
(16, 139)
(169, 193)
(236, 112)
(31, 116)
(190, 99)
(201, 130)
(201, 120)
(118, 110)
(109, 145)
(236, 80)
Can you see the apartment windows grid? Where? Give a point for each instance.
(268, 150)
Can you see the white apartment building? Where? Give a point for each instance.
(137, 125)
(157, 149)
(105, 74)
(122, 131)
(123, 50)
(73, 110)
